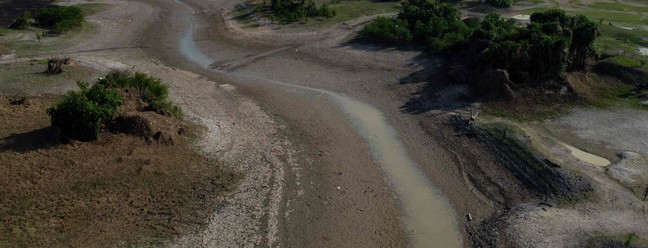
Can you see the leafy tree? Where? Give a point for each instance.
(80, 115)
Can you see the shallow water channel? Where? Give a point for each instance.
(427, 216)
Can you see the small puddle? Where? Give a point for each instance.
(428, 217)
(586, 157)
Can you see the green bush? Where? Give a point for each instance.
(60, 19)
(150, 89)
(387, 31)
(80, 115)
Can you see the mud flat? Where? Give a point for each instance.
(427, 216)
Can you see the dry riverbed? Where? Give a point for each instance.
(311, 123)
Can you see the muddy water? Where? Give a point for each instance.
(427, 216)
(586, 157)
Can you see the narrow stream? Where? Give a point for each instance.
(428, 217)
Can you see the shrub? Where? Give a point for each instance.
(150, 89)
(80, 115)
(60, 19)
(387, 31)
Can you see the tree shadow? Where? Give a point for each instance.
(436, 91)
(43, 138)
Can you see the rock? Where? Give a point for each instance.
(645, 103)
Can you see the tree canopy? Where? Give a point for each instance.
(550, 44)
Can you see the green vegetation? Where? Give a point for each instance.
(60, 19)
(432, 23)
(150, 89)
(617, 7)
(349, 10)
(547, 46)
(80, 115)
(291, 11)
(386, 30)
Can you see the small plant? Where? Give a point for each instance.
(80, 115)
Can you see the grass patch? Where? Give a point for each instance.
(345, 11)
(350, 10)
(617, 7)
(27, 78)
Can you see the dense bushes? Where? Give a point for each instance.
(150, 89)
(80, 115)
(292, 10)
(60, 19)
(386, 30)
(431, 23)
(551, 43)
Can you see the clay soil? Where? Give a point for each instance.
(118, 190)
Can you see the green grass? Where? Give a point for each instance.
(615, 17)
(22, 78)
(350, 10)
(345, 11)
(618, 95)
(617, 7)
(625, 61)
(46, 44)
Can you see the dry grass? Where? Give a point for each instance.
(117, 190)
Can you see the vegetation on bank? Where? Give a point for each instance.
(58, 19)
(549, 45)
(295, 10)
(81, 115)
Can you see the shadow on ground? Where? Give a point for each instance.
(43, 138)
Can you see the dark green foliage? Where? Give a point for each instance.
(388, 31)
(550, 44)
(150, 89)
(23, 21)
(80, 115)
(500, 3)
(60, 19)
(295, 10)
(429, 22)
